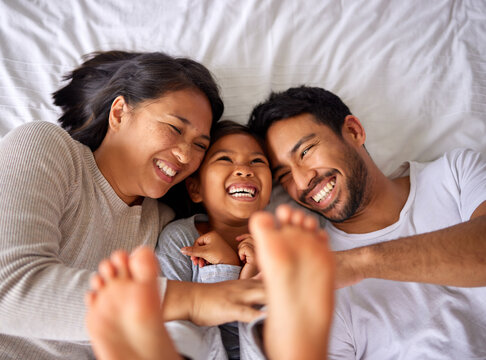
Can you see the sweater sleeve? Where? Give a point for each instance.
(40, 297)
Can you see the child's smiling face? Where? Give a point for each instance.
(234, 179)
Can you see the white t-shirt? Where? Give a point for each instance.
(381, 319)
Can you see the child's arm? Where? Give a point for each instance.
(246, 253)
(211, 248)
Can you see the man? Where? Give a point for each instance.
(437, 211)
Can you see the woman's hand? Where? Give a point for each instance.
(246, 253)
(211, 248)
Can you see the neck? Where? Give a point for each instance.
(104, 161)
(382, 205)
(229, 231)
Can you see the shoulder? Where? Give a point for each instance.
(464, 157)
(41, 139)
(166, 214)
(38, 130)
(455, 161)
(180, 226)
(176, 235)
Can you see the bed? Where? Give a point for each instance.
(414, 71)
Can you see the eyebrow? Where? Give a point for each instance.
(232, 152)
(187, 122)
(294, 149)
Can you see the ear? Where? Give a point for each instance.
(353, 131)
(119, 108)
(193, 186)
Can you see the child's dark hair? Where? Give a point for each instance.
(86, 100)
(177, 197)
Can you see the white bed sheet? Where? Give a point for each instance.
(413, 71)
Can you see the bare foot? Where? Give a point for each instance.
(298, 272)
(124, 316)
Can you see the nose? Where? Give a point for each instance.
(243, 171)
(182, 152)
(303, 178)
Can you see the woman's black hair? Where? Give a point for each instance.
(86, 100)
(177, 197)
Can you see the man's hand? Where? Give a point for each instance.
(211, 248)
(246, 253)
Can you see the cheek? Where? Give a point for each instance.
(266, 178)
(195, 162)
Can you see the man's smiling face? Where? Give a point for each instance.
(318, 168)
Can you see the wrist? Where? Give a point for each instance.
(177, 304)
(362, 263)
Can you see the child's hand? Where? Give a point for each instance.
(211, 248)
(246, 253)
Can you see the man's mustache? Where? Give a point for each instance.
(313, 183)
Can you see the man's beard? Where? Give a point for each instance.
(355, 185)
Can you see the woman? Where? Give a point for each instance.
(138, 123)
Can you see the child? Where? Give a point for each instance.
(125, 319)
(233, 182)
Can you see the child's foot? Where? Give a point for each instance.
(124, 316)
(298, 272)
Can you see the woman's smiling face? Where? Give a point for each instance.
(156, 144)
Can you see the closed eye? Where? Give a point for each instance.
(201, 146)
(224, 158)
(258, 161)
(282, 177)
(175, 128)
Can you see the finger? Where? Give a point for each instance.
(193, 251)
(202, 262)
(246, 313)
(242, 237)
(203, 240)
(254, 294)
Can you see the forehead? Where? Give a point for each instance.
(237, 143)
(292, 130)
(285, 136)
(190, 106)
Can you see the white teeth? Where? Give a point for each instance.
(241, 191)
(165, 169)
(239, 195)
(324, 193)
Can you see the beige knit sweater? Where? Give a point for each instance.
(59, 218)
